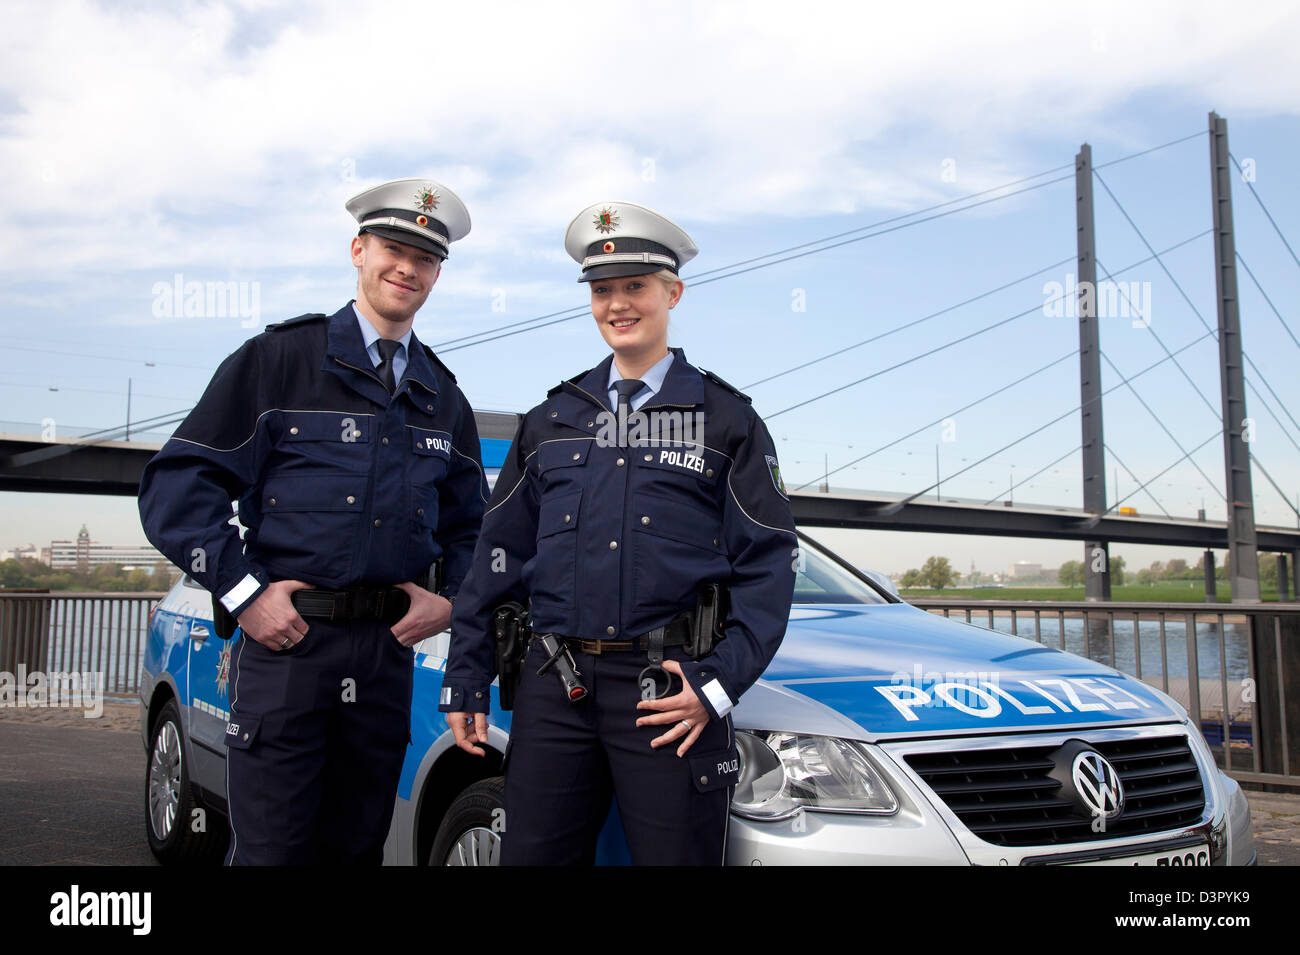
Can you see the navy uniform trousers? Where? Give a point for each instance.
(565, 760)
(315, 744)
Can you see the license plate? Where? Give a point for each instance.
(1186, 856)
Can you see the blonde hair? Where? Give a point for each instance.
(669, 278)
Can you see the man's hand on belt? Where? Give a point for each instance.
(271, 619)
(429, 614)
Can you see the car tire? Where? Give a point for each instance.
(170, 801)
(470, 830)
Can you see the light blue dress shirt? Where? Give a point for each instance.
(653, 380)
(370, 335)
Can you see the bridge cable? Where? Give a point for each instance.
(1188, 300)
(1272, 221)
(987, 328)
(736, 268)
(951, 414)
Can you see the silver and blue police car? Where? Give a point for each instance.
(880, 734)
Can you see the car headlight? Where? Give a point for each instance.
(781, 773)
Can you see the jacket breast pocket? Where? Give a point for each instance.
(335, 439)
(310, 521)
(676, 545)
(554, 574)
(562, 464)
(429, 461)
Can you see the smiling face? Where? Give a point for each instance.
(393, 279)
(632, 315)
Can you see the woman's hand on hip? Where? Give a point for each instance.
(683, 710)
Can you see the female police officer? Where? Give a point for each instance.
(631, 485)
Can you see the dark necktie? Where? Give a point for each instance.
(387, 351)
(626, 388)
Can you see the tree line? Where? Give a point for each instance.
(25, 573)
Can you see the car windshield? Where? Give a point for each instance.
(822, 581)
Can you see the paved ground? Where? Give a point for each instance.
(72, 793)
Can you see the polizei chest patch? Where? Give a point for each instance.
(683, 459)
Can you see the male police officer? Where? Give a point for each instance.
(355, 463)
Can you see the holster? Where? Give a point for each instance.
(511, 632)
(709, 619)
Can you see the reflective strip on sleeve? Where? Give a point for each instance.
(718, 698)
(446, 696)
(237, 594)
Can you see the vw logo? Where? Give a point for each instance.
(1097, 784)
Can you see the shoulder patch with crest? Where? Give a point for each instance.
(774, 470)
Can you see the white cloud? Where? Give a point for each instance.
(223, 133)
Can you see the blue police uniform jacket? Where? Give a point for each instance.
(610, 542)
(337, 482)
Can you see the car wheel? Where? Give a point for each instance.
(170, 802)
(470, 833)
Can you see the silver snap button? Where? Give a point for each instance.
(385, 441)
(568, 518)
(704, 780)
(428, 407)
(709, 473)
(351, 499)
(419, 511)
(378, 522)
(356, 434)
(619, 462)
(293, 430)
(555, 414)
(715, 542)
(610, 631)
(576, 456)
(645, 520)
(613, 545)
(649, 457)
(590, 423)
(273, 502)
(478, 695)
(245, 736)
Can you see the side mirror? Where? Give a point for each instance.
(883, 581)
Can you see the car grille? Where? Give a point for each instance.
(1006, 797)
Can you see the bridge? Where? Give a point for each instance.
(109, 462)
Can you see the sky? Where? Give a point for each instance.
(150, 145)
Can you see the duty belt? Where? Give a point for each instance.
(356, 603)
(676, 633)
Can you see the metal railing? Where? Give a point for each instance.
(65, 632)
(1232, 666)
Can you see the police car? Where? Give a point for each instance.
(879, 734)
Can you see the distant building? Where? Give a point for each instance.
(1023, 569)
(30, 552)
(83, 554)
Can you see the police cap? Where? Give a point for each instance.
(613, 239)
(418, 212)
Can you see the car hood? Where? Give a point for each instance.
(892, 670)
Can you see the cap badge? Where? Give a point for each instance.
(421, 220)
(606, 220)
(427, 199)
(608, 247)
